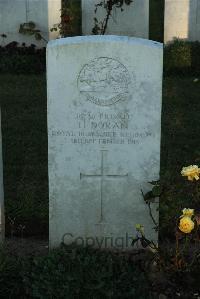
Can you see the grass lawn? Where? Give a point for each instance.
(24, 126)
(180, 147)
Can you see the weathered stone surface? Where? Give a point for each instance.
(1, 190)
(182, 20)
(43, 13)
(104, 116)
(132, 21)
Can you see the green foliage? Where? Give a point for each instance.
(70, 272)
(182, 57)
(85, 273)
(71, 16)
(70, 19)
(24, 128)
(21, 59)
(180, 54)
(10, 280)
(30, 29)
(73, 273)
(179, 147)
(154, 193)
(172, 267)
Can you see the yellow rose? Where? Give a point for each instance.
(188, 212)
(192, 172)
(186, 225)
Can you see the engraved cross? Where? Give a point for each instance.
(102, 176)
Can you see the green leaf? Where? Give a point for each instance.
(156, 191)
(31, 25)
(38, 36)
(21, 28)
(154, 183)
(148, 196)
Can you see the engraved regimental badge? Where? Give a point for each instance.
(104, 81)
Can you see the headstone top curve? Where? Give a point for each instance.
(103, 38)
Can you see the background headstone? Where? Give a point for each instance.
(43, 13)
(133, 21)
(2, 223)
(182, 20)
(104, 117)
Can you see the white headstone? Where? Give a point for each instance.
(43, 13)
(182, 20)
(2, 228)
(132, 21)
(104, 117)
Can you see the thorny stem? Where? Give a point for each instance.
(196, 253)
(150, 211)
(177, 252)
(109, 9)
(108, 5)
(44, 39)
(197, 189)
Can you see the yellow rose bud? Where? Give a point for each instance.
(137, 226)
(188, 212)
(186, 225)
(140, 228)
(192, 172)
